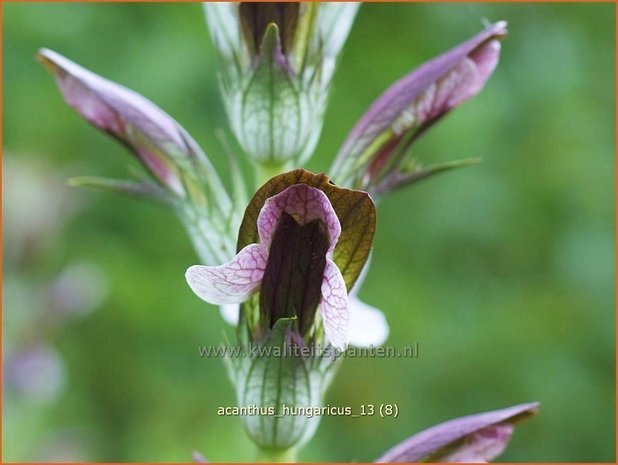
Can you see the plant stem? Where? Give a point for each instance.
(265, 172)
(277, 456)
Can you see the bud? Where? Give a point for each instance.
(278, 61)
(375, 155)
(181, 172)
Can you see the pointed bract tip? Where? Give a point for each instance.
(501, 27)
(45, 57)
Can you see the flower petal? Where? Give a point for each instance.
(230, 313)
(334, 306)
(292, 281)
(232, 282)
(479, 437)
(368, 325)
(305, 204)
(354, 209)
(198, 458)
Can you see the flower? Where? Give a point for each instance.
(374, 156)
(298, 232)
(278, 60)
(292, 264)
(183, 174)
(475, 438)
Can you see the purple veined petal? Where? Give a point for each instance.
(334, 306)
(368, 325)
(305, 204)
(474, 438)
(157, 139)
(232, 282)
(421, 98)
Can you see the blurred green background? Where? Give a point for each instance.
(503, 272)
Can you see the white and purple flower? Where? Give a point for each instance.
(293, 264)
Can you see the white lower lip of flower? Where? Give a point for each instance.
(280, 383)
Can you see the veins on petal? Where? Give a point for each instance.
(305, 204)
(334, 306)
(232, 282)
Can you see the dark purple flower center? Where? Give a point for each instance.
(255, 18)
(292, 282)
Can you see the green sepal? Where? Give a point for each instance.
(274, 377)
